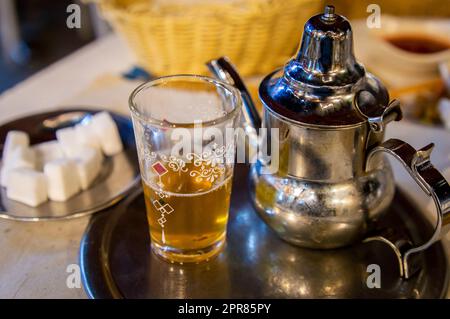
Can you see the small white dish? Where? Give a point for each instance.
(398, 66)
(118, 177)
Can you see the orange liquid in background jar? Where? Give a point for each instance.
(188, 214)
(417, 43)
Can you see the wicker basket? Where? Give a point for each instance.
(257, 35)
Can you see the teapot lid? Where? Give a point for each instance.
(318, 86)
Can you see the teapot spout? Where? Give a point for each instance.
(224, 70)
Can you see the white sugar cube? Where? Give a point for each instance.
(68, 140)
(27, 186)
(107, 133)
(23, 156)
(20, 157)
(13, 140)
(62, 179)
(47, 151)
(89, 162)
(81, 135)
(86, 135)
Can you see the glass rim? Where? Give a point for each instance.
(200, 78)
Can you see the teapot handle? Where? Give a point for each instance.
(431, 181)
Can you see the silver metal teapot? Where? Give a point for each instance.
(333, 180)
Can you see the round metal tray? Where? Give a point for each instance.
(116, 260)
(119, 174)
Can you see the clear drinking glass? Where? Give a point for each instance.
(183, 126)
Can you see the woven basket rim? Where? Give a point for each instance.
(248, 34)
(257, 8)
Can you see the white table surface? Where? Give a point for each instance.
(34, 256)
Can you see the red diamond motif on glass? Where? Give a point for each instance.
(159, 168)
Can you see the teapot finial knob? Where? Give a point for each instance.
(325, 56)
(329, 13)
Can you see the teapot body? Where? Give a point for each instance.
(331, 181)
(321, 196)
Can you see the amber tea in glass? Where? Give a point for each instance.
(187, 189)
